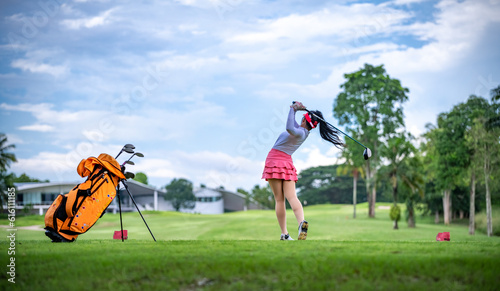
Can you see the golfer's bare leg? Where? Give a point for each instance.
(279, 198)
(291, 196)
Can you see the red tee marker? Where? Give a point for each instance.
(443, 236)
(118, 234)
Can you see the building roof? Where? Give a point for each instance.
(223, 191)
(206, 192)
(38, 185)
(138, 188)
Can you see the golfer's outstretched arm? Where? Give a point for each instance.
(292, 126)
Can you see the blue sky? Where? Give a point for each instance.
(202, 88)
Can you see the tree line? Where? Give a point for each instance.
(458, 154)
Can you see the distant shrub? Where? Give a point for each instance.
(395, 213)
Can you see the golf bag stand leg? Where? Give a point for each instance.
(120, 209)
(131, 197)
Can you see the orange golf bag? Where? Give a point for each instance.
(76, 212)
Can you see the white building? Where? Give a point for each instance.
(40, 196)
(208, 201)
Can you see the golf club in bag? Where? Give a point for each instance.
(367, 152)
(129, 175)
(75, 212)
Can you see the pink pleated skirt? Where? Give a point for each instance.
(279, 165)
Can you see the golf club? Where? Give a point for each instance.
(140, 155)
(131, 146)
(128, 148)
(367, 152)
(133, 200)
(129, 175)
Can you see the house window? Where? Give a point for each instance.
(48, 198)
(209, 199)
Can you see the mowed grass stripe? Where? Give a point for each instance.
(251, 265)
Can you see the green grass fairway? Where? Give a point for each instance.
(242, 251)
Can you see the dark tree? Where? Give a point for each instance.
(319, 185)
(180, 194)
(141, 178)
(370, 106)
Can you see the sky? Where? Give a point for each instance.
(202, 88)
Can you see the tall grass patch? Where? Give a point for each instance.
(481, 224)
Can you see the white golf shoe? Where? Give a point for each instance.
(303, 226)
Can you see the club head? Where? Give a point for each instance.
(367, 153)
(140, 155)
(128, 150)
(129, 175)
(129, 162)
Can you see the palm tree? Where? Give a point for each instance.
(412, 177)
(5, 157)
(494, 119)
(353, 166)
(396, 150)
(495, 93)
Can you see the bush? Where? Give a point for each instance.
(495, 217)
(395, 213)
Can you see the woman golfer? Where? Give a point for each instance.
(280, 172)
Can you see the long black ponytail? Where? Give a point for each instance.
(326, 131)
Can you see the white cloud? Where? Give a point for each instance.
(160, 167)
(61, 165)
(89, 22)
(315, 158)
(26, 107)
(451, 40)
(38, 127)
(47, 165)
(189, 62)
(14, 139)
(218, 169)
(105, 125)
(45, 114)
(407, 2)
(345, 22)
(35, 67)
(191, 28)
(42, 61)
(196, 3)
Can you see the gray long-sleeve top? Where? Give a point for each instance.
(291, 139)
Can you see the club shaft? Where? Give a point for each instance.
(120, 208)
(335, 128)
(133, 200)
(128, 159)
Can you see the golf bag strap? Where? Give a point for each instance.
(77, 192)
(72, 200)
